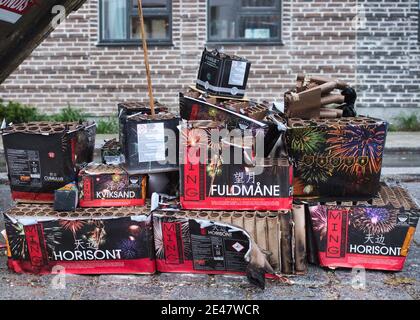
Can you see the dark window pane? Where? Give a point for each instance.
(156, 28)
(244, 20)
(114, 19)
(151, 3)
(259, 27)
(259, 3)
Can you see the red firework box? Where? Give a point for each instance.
(223, 170)
(88, 241)
(336, 159)
(106, 185)
(375, 234)
(42, 157)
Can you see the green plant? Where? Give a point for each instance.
(17, 113)
(69, 114)
(405, 122)
(107, 126)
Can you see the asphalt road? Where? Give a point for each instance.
(318, 283)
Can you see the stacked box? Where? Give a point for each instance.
(151, 143)
(223, 75)
(186, 241)
(111, 186)
(375, 235)
(88, 241)
(42, 157)
(211, 180)
(130, 108)
(336, 159)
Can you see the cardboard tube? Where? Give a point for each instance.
(226, 218)
(327, 87)
(332, 98)
(203, 215)
(327, 114)
(215, 216)
(273, 241)
(261, 231)
(192, 214)
(286, 243)
(238, 220)
(249, 224)
(300, 238)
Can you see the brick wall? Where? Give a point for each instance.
(319, 38)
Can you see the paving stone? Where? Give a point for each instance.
(373, 293)
(230, 280)
(315, 277)
(122, 292)
(373, 277)
(175, 278)
(294, 292)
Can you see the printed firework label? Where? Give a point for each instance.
(151, 141)
(218, 248)
(12, 10)
(237, 73)
(373, 237)
(24, 167)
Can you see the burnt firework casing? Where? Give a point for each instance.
(111, 186)
(223, 75)
(373, 236)
(336, 159)
(111, 152)
(208, 181)
(88, 241)
(42, 157)
(151, 143)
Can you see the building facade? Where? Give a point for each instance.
(94, 59)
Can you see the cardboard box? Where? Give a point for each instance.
(210, 180)
(223, 75)
(111, 152)
(66, 198)
(336, 158)
(104, 185)
(42, 157)
(129, 108)
(88, 241)
(151, 143)
(190, 234)
(374, 235)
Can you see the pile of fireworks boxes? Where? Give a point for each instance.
(231, 185)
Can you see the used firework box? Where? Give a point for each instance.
(43, 156)
(104, 185)
(129, 108)
(336, 159)
(111, 152)
(234, 114)
(66, 198)
(210, 180)
(222, 74)
(204, 244)
(151, 142)
(88, 241)
(374, 235)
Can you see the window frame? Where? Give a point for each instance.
(253, 11)
(130, 12)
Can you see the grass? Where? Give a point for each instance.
(107, 126)
(404, 122)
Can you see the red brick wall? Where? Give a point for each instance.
(69, 68)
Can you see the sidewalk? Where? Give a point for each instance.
(396, 141)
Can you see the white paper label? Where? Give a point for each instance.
(151, 141)
(237, 73)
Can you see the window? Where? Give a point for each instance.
(119, 21)
(255, 21)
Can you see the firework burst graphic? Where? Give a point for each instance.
(374, 221)
(364, 144)
(17, 240)
(314, 170)
(128, 248)
(53, 236)
(158, 238)
(319, 220)
(97, 236)
(72, 225)
(307, 140)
